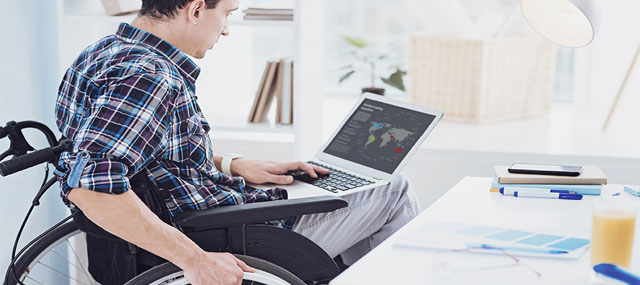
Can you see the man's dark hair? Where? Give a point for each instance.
(162, 9)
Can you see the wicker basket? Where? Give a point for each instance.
(482, 80)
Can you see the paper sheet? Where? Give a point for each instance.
(461, 236)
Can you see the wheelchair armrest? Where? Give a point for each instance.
(257, 212)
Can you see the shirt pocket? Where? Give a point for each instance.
(200, 149)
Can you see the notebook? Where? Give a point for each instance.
(589, 175)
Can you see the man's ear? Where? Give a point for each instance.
(194, 11)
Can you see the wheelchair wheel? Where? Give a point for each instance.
(59, 257)
(266, 273)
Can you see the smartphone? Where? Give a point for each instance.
(560, 170)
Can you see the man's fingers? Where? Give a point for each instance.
(287, 166)
(244, 266)
(280, 179)
(308, 169)
(295, 165)
(320, 170)
(313, 170)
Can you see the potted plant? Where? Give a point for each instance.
(368, 57)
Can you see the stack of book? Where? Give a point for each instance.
(268, 14)
(276, 82)
(589, 182)
(120, 7)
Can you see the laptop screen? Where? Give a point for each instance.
(379, 135)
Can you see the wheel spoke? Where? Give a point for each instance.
(79, 267)
(61, 273)
(87, 274)
(27, 277)
(67, 260)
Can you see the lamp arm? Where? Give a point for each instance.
(621, 90)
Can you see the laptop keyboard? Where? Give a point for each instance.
(337, 180)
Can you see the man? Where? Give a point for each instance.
(128, 103)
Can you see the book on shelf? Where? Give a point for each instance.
(269, 14)
(268, 11)
(284, 108)
(276, 82)
(278, 91)
(267, 18)
(584, 189)
(589, 175)
(120, 7)
(256, 100)
(264, 94)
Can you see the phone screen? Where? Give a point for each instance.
(545, 169)
(541, 167)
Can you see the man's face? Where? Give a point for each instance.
(211, 25)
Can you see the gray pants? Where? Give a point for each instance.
(371, 217)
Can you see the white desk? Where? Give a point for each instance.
(471, 202)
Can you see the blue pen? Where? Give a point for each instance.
(511, 190)
(540, 194)
(616, 272)
(516, 248)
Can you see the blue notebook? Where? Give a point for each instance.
(579, 189)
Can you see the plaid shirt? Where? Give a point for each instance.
(128, 104)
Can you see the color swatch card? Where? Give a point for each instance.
(497, 240)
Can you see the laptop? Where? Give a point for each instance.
(372, 145)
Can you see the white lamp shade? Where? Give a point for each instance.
(571, 23)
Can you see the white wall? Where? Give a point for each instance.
(608, 57)
(29, 80)
(601, 66)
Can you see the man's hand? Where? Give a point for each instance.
(143, 228)
(216, 268)
(260, 172)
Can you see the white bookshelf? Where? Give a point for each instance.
(82, 22)
(261, 23)
(76, 15)
(239, 123)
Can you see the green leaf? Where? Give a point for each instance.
(395, 79)
(355, 41)
(348, 66)
(346, 76)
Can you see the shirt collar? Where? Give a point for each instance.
(132, 34)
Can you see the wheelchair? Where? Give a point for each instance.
(59, 254)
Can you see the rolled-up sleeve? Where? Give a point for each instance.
(124, 128)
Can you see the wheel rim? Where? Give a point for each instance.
(61, 260)
(262, 277)
(65, 261)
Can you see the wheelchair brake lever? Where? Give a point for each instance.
(3, 132)
(5, 154)
(19, 145)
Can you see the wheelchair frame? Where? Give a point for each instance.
(235, 229)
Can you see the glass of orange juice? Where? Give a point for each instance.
(612, 236)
